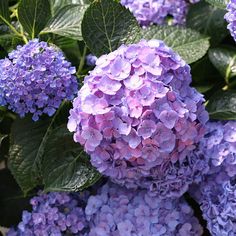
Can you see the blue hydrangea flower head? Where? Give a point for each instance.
(149, 12)
(217, 198)
(230, 17)
(119, 211)
(36, 78)
(219, 145)
(53, 214)
(138, 118)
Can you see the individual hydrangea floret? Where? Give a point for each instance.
(138, 118)
(217, 197)
(219, 145)
(159, 12)
(230, 17)
(119, 211)
(91, 60)
(36, 78)
(54, 214)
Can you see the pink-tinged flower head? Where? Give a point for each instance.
(138, 118)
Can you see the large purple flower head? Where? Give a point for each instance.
(219, 145)
(118, 211)
(230, 17)
(138, 117)
(217, 197)
(35, 78)
(53, 214)
(149, 12)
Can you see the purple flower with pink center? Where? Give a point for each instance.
(139, 119)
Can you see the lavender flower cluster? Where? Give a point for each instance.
(217, 197)
(138, 117)
(112, 211)
(216, 193)
(53, 214)
(157, 11)
(118, 211)
(230, 17)
(36, 78)
(219, 145)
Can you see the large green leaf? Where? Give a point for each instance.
(219, 3)
(34, 15)
(224, 59)
(208, 20)
(66, 167)
(67, 22)
(107, 25)
(205, 77)
(59, 4)
(190, 44)
(222, 105)
(4, 11)
(28, 140)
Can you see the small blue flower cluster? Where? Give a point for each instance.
(216, 193)
(157, 11)
(230, 17)
(36, 78)
(53, 214)
(91, 60)
(114, 210)
(219, 145)
(217, 197)
(121, 212)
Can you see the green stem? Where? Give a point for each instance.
(12, 28)
(82, 60)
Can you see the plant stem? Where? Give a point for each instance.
(82, 60)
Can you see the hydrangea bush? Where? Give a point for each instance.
(117, 117)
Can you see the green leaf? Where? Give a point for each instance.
(190, 44)
(59, 4)
(34, 15)
(224, 59)
(28, 140)
(222, 105)
(208, 20)
(4, 11)
(66, 167)
(67, 22)
(107, 25)
(219, 3)
(205, 76)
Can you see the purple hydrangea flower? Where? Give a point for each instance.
(36, 78)
(217, 197)
(91, 60)
(138, 118)
(54, 214)
(158, 11)
(219, 145)
(230, 17)
(119, 211)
